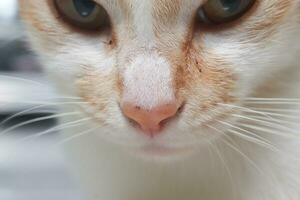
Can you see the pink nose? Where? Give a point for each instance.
(150, 120)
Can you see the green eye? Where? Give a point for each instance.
(84, 14)
(222, 11)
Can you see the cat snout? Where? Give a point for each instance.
(151, 121)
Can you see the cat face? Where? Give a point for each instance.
(162, 72)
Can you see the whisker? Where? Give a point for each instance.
(272, 102)
(37, 107)
(236, 149)
(49, 103)
(37, 120)
(247, 109)
(254, 138)
(23, 80)
(20, 113)
(280, 122)
(269, 131)
(288, 110)
(58, 128)
(266, 123)
(211, 151)
(269, 119)
(77, 136)
(225, 164)
(269, 115)
(270, 99)
(65, 97)
(56, 97)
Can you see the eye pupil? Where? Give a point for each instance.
(84, 7)
(230, 5)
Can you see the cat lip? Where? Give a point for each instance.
(162, 150)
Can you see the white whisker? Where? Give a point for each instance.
(272, 102)
(254, 138)
(247, 109)
(20, 113)
(277, 110)
(271, 115)
(270, 99)
(23, 80)
(269, 131)
(49, 103)
(37, 107)
(58, 128)
(279, 122)
(225, 164)
(77, 135)
(266, 123)
(37, 120)
(236, 149)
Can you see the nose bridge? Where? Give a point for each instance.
(147, 80)
(144, 60)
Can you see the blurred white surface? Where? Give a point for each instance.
(8, 9)
(20, 91)
(34, 170)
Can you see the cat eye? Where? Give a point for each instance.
(223, 11)
(84, 14)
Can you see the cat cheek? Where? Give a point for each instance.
(204, 81)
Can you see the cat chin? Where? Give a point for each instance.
(154, 149)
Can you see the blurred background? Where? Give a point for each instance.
(31, 168)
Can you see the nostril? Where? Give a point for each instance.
(167, 120)
(138, 107)
(163, 123)
(181, 108)
(133, 123)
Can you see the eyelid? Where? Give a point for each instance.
(200, 12)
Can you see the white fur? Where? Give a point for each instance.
(148, 82)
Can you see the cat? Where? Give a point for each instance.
(194, 99)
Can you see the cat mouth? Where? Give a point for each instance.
(163, 151)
